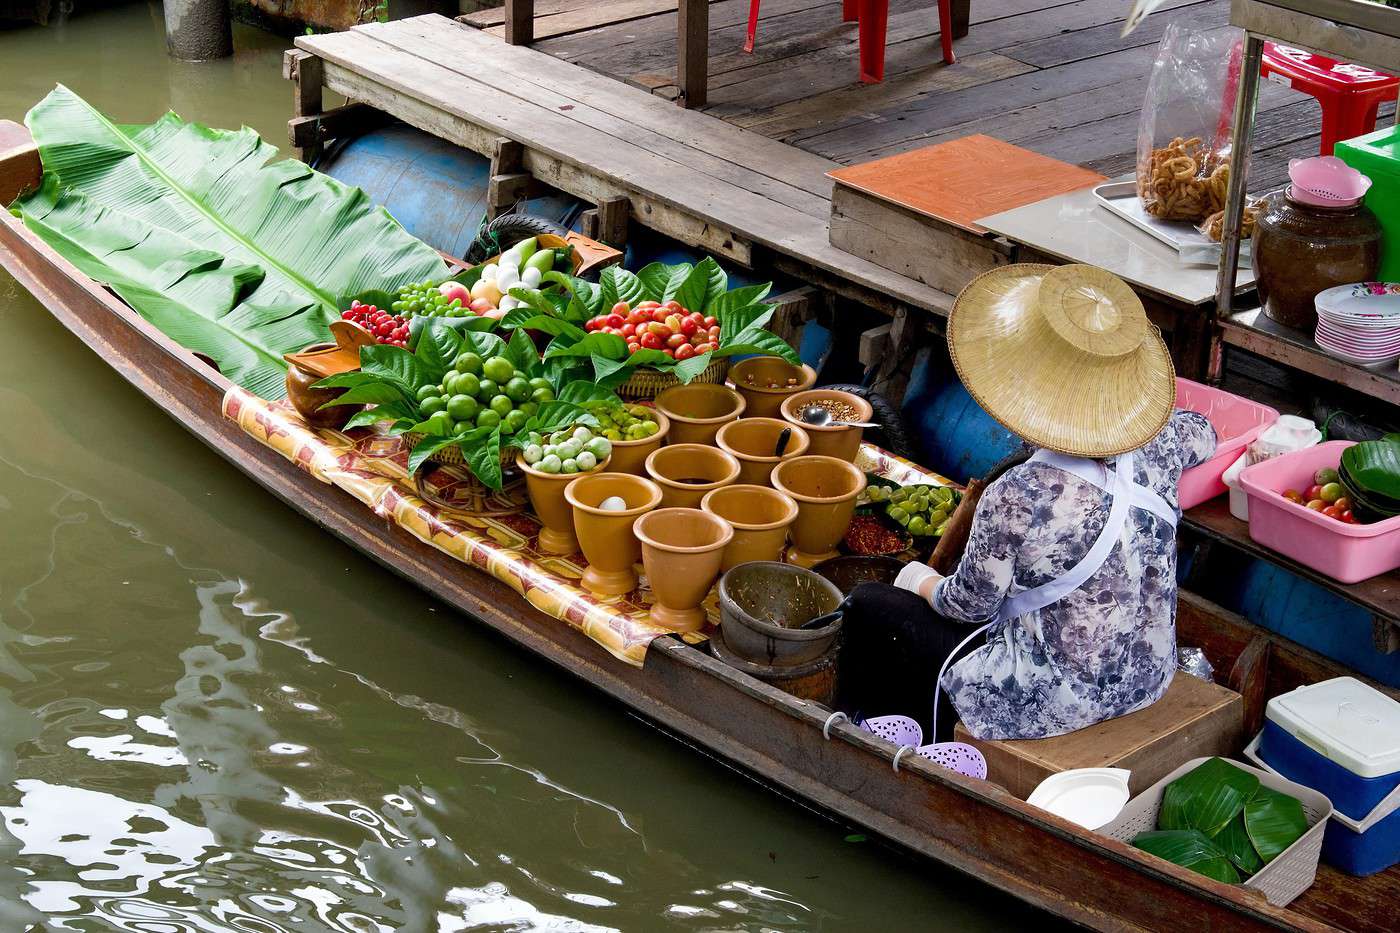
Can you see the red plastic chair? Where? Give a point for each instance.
(873, 16)
(1349, 94)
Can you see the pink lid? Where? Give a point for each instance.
(1326, 181)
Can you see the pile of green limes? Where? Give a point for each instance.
(479, 393)
(919, 510)
(624, 422)
(573, 450)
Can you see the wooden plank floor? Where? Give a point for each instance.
(1051, 75)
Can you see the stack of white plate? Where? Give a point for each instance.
(1360, 323)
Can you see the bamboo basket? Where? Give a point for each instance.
(647, 383)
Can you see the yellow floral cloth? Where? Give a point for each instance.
(494, 532)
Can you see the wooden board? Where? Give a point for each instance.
(1193, 718)
(964, 179)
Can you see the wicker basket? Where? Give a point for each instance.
(476, 495)
(647, 383)
(1288, 875)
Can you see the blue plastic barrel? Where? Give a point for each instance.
(959, 439)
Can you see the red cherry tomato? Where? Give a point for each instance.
(703, 348)
(685, 351)
(1348, 517)
(1331, 512)
(621, 308)
(1314, 492)
(660, 314)
(633, 346)
(1317, 505)
(651, 341)
(677, 340)
(669, 352)
(1293, 495)
(648, 305)
(688, 327)
(673, 305)
(615, 319)
(629, 329)
(711, 321)
(714, 333)
(659, 329)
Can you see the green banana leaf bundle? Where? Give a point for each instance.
(1370, 472)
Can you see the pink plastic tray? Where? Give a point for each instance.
(1348, 553)
(1237, 422)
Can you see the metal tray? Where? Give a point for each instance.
(1192, 246)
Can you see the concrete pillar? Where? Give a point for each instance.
(198, 30)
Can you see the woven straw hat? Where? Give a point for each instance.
(1064, 356)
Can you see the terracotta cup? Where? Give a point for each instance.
(553, 510)
(752, 377)
(685, 472)
(681, 551)
(752, 441)
(631, 456)
(698, 410)
(760, 516)
(828, 441)
(308, 401)
(605, 536)
(825, 489)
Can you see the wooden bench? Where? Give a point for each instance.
(1193, 719)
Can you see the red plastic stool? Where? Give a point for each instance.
(1349, 94)
(874, 18)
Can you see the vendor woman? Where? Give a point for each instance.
(1071, 562)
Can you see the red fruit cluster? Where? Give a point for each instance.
(670, 328)
(386, 328)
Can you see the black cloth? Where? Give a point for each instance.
(893, 645)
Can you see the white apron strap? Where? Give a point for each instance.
(1094, 471)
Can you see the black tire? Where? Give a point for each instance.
(499, 234)
(894, 437)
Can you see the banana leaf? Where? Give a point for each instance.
(228, 253)
(1234, 841)
(1189, 848)
(1206, 798)
(1374, 466)
(1274, 822)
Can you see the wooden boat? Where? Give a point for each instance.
(971, 825)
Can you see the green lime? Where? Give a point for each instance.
(539, 382)
(498, 368)
(540, 396)
(465, 384)
(487, 390)
(448, 378)
(518, 390)
(462, 427)
(462, 407)
(488, 419)
(431, 405)
(467, 362)
(529, 408)
(502, 405)
(441, 423)
(514, 421)
(426, 392)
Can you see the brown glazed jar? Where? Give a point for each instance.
(308, 401)
(1301, 249)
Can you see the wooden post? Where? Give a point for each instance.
(520, 22)
(962, 15)
(607, 223)
(508, 183)
(882, 349)
(198, 30)
(791, 312)
(307, 74)
(693, 44)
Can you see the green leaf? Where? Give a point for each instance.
(557, 414)
(610, 346)
(617, 284)
(589, 295)
(346, 380)
(737, 298)
(484, 345)
(483, 456)
(437, 348)
(604, 368)
(228, 253)
(395, 364)
(541, 302)
(1374, 466)
(370, 416)
(1234, 841)
(687, 370)
(716, 283)
(529, 320)
(580, 391)
(736, 321)
(1189, 848)
(1274, 822)
(521, 351)
(371, 393)
(656, 276)
(417, 326)
(679, 275)
(429, 445)
(1206, 797)
(759, 342)
(693, 290)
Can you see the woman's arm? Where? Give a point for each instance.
(1194, 437)
(978, 587)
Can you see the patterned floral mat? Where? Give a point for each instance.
(495, 533)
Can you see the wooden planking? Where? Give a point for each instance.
(496, 15)
(567, 154)
(592, 15)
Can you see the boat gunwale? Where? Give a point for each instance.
(409, 557)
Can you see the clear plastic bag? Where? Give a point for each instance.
(1193, 661)
(1183, 148)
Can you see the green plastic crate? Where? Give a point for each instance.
(1377, 156)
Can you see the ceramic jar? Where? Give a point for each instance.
(765, 382)
(830, 441)
(681, 552)
(685, 472)
(605, 535)
(825, 489)
(698, 410)
(555, 513)
(752, 441)
(1300, 249)
(631, 456)
(760, 516)
(308, 401)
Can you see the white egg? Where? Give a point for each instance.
(613, 504)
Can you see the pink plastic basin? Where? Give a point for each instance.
(1349, 553)
(1237, 422)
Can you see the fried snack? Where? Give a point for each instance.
(1183, 180)
(1213, 225)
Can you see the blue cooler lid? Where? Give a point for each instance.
(1345, 720)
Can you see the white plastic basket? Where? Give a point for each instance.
(1290, 874)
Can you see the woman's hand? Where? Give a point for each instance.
(918, 578)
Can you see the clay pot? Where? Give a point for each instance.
(843, 443)
(308, 401)
(685, 472)
(698, 410)
(752, 441)
(555, 513)
(681, 551)
(605, 536)
(631, 456)
(761, 401)
(825, 489)
(762, 605)
(760, 516)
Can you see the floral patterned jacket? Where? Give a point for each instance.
(1108, 648)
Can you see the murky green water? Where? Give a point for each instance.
(215, 717)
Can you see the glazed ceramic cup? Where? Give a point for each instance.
(308, 401)
(752, 441)
(685, 472)
(825, 489)
(760, 516)
(605, 536)
(761, 401)
(553, 510)
(631, 456)
(828, 441)
(681, 551)
(698, 410)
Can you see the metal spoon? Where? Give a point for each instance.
(783, 437)
(822, 621)
(819, 417)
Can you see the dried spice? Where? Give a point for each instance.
(837, 409)
(869, 535)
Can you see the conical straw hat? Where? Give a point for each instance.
(1064, 356)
